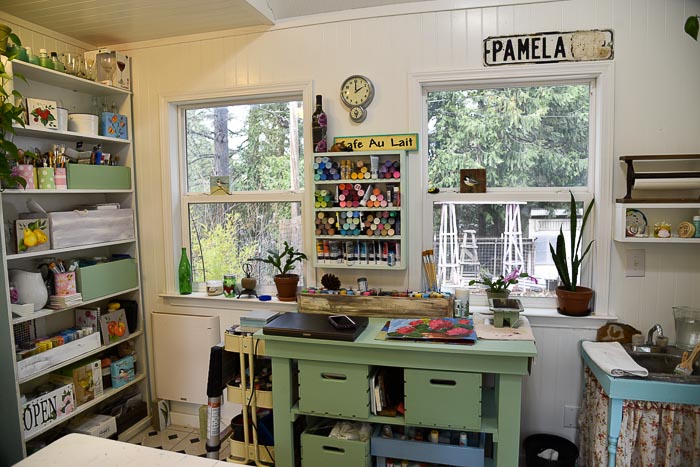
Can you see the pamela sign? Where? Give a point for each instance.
(549, 47)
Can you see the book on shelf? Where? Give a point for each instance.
(454, 330)
(386, 391)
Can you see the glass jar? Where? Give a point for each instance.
(229, 285)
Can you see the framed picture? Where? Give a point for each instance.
(42, 113)
(472, 180)
(32, 235)
(219, 185)
(114, 327)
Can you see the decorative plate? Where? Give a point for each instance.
(636, 224)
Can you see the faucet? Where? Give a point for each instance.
(650, 335)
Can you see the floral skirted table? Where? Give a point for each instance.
(632, 421)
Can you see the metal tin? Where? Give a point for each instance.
(362, 285)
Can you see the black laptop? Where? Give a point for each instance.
(313, 326)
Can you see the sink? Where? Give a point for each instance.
(661, 361)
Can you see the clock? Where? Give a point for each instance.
(357, 92)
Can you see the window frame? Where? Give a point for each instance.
(174, 173)
(599, 75)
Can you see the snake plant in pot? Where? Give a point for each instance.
(284, 262)
(11, 112)
(573, 299)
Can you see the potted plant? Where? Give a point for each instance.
(498, 287)
(11, 112)
(573, 299)
(283, 262)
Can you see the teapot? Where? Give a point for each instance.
(30, 287)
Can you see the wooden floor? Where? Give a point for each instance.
(180, 439)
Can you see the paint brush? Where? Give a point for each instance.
(685, 367)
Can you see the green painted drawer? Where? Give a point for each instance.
(107, 278)
(340, 389)
(318, 450)
(446, 399)
(98, 177)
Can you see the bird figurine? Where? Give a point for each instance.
(433, 190)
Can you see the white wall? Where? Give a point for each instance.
(657, 99)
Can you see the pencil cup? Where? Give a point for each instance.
(64, 283)
(47, 180)
(60, 178)
(27, 172)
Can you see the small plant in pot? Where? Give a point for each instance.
(283, 262)
(573, 299)
(11, 112)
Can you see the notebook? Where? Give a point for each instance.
(313, 326)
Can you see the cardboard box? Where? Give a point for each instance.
(114, 125)
(102, 426)
(42, 113)
(87, 380)
(33, 235)
(123, 371)
(48, 409)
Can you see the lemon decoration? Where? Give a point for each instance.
(29, 238)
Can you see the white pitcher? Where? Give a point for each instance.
(30, 287)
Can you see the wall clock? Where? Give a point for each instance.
(357, 92)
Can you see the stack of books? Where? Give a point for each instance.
(58, 302)
(255, 320)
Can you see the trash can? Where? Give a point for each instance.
(567, 451)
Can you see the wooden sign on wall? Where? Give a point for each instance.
(549, 47)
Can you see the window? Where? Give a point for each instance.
(536, 142)
(253, 147)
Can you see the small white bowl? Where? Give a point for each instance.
(83, 123)
(215, 288)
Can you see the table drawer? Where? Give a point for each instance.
(317, 450)
(334, 389)
(445, 399)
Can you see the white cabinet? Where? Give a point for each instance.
(18, 330)
(358, 212)
(631, 217)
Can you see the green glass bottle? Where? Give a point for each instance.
(185, 274)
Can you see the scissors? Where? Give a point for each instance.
(247, 269)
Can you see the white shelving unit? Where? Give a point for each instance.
(357, 217)
(673, 213)
(77, 95)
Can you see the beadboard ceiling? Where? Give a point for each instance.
(104, 22)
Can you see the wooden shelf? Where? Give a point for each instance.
(60, 251)
(37, 191)
(64, 80)
(67, 135)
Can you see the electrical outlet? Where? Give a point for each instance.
(571, 416)
(635, 263)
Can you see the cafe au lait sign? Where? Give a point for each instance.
(549, 47)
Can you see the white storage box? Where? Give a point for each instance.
(48, 409)
(57, 355)
(84, 227)
(102, 426)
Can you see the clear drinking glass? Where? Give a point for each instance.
(108, 62)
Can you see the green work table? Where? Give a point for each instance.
(298, 391)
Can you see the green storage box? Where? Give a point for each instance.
(317, 449)
(330, 388)
(107, 278)
(444, 399)
(98, 177)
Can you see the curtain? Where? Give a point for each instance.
(651, 434)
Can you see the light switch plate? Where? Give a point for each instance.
(635, 263)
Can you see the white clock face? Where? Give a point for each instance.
(358, 114)
(357, 91)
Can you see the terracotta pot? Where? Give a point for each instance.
(574, 303)
(287, 287)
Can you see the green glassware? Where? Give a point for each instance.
(185, 274)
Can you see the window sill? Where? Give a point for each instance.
(551, 318)
(202, 300)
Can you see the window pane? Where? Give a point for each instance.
(259, 145)
(494, 239)
(523, 136)
(224, 236)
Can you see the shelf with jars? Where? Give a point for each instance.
(358, 211)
